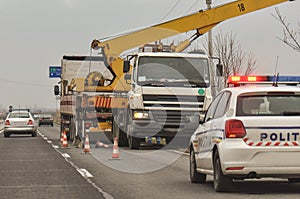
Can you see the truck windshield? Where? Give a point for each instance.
(173, 71)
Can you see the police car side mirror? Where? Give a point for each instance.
(201, 119)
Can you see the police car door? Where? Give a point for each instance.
(212, 129)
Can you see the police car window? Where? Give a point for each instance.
(212, 108)
(223, 105)
(268, 105)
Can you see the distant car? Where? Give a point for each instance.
(20, 122)
(248, 132)
(45, 119)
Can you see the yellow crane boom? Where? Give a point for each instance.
(202, 22)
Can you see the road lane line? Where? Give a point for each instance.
(85, 173)
(100, 190)
(179, 152)
(65, 155)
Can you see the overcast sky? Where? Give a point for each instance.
(35, 34)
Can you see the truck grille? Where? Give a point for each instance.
(171, 118)
(173, 110)
(173, 102)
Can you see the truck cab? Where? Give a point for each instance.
(168, 93)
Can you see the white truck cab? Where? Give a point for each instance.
(167, 90)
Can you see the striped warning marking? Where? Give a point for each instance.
(260, 143)
(103, 102)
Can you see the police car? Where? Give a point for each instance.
(250, 131)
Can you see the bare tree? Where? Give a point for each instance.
(290, 36)
(233, 58)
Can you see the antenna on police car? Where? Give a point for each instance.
(275, 79)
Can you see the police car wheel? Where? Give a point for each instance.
(221, 182)
(294, 180)
(195, 176)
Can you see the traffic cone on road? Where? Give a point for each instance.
(65, 141)
(87, 147)
(116, 149)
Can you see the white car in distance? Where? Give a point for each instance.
(20, 122)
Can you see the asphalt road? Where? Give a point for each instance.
(39, 168)
(31, 168)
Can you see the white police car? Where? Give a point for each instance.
(248, 132)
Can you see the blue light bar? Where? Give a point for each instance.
(286, 78)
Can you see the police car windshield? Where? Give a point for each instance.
(268, 105)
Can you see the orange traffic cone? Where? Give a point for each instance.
(116, 149)
(65, 141)
(87, 147)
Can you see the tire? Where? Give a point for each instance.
(134, 142)
(121, 135)
(6, 135)
(195, 176)
(294, 180)
(72, 129)
(34, 134)
(221, 183)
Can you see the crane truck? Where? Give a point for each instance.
(156, 94)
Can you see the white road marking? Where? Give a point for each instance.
(65, 155)
(55, 146)
(85, 173)
(179, 152)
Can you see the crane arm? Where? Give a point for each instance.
(202, 21)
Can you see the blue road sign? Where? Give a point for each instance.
(54, 71)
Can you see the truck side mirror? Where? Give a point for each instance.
(10, 108)
(56, 90)
(219, 70)
(126, 66)
(127, 76)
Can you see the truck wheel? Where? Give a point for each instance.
(34, 134)
(195, 176)
(72, 129)
(61, 128)
(222, 183)
(294, 180)
(122, 138)
(134, 142)
(6, 135)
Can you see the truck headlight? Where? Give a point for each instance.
(140, 115)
